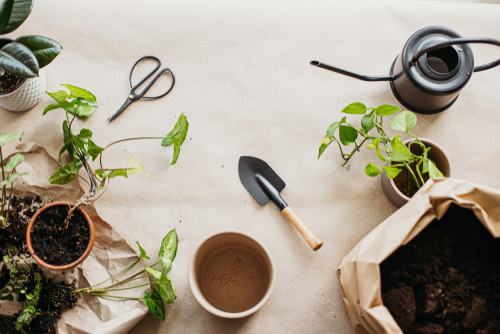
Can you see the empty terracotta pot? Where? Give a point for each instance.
(67, 266)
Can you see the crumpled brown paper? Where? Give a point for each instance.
(360, 272)
(111, 253)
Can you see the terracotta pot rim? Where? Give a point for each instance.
(81, 258)
(23, 81)
(431, 143)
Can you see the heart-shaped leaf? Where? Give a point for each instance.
(177, 136)
(62, 104)
(347, 134)
(67, 173)
(392, 171)
(13, 13)
(355, 108)
(44, 49)
(17, 59)
(333, 127)
(155, 304)
(167, 290)
(325, 142)
(399, 150)
(136, 167)
(59, 96)
(404, 121)
(7, 137)
(433, 170)
(80, 92)
(386, 110)
(11, 178)
(168, 250)
(367, 122)
(372, 170)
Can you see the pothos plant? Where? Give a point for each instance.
(389, 149)
(8, 175)
(26, 54)
(164, 292)
(81, 148)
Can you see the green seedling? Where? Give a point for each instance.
(164, 291)
(388, 149)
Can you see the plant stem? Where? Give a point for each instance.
(130, 266)
(4, 192)
(102, 295)
(356, 147)
(133, 287)
(419, 174)
(411, 172)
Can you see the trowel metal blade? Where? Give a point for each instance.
(248, 168)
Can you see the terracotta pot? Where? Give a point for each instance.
(27, 94)
(392, 192)
(68, 266)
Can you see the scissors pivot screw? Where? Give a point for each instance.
(130, 97)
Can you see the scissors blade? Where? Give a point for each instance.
(118, 111)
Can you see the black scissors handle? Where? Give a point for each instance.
(141, 95)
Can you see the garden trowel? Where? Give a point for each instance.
(264, 185)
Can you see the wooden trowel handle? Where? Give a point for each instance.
(311, 239)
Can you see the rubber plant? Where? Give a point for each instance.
(80, 147)
(8, 175)
(26, 54)
(164, 292)
(418, 167)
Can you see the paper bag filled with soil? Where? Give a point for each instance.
(431, 267)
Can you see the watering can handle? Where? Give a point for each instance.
(454, 41)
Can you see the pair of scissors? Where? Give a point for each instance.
(134, 96)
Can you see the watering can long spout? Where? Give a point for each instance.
(352, 74)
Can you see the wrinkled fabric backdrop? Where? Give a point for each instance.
(246, 86)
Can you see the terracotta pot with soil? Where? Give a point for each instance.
(431, 267)
(396, 189)
(20, 94)
(54, 246)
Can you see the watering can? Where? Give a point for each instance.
(431, 70)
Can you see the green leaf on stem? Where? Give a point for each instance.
(168, 250)
(372, 170)
(136, 167)
(14, 161)
(6, 137)
(83, 109)
(67, 173)
(404, 121)
(59, 96)
(386, 110)
(375, 144)
(144, 255)
(80, 92)
(392, 171)
(167, 290)
(355, 108)
(62, 104)
(177, 136)
(333, 127)
(13, 13)
(433, 170)
(11, 178)
(347, 134)
(94, 150)
(155, 304)
(44, 49)
(18, 59)
(367, 122)
(325, 142)
(399, 150)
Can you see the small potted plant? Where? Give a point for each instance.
(60, 235)
(22, 79)
(420, 159)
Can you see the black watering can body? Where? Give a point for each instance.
(431, 70)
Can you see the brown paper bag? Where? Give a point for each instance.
(111, 253)
(359, 271)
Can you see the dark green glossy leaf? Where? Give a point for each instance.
(7, 138)
(386, 110)
(17, 59)
(13, 162)
(355, 108)
(144, 255)
(347, 134)
(44, 49)
(155, 304)
(372, 170)
(168, 250)
(167, 290)
(177, 136)
(403, 121)
(67, 173)
(13, 13)
(80, 92)
(11, 178)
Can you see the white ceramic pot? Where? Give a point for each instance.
(391, 191)
(25, 96)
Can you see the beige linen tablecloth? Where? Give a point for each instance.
(245, 84)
